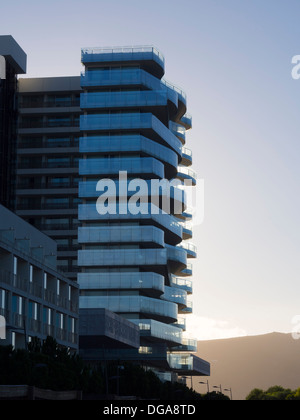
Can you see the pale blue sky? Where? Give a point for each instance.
(233, 59)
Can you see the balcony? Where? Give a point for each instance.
(188, 364)
(190, 248)
(183, 284)
(151, 284)
(154, 331)
(178, 131)
(175, 295)
(168, 223)
(187, 121)
(138, 99)
(187, 157)
(147, 123)
(122, 258)
(146, 235)
(156, 309)
(187, 174)
(133, 166)
(130, 144)
(151, 57)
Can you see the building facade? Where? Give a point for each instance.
(136, 263)
(13, 62)
(47, 167)
(36, 300)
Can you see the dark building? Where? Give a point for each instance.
(13, 62)
(47, 168)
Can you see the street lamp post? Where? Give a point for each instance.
(219, 387)
(205, 383)
(229, 390)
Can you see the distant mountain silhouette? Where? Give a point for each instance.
(251, 362)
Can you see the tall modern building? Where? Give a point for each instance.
(136, 263)
(13, 62)
(121, 118)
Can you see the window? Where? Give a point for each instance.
(45, 281)
(30, 274)
(15, 266)
(47, 316)
(2, 299)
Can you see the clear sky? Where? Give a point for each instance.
(233, 59)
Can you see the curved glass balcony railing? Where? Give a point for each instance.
(134, 166)
(148, 282)
(159, 331)
(128, 144)
(123, 54)
(180, 323)
(183, 284)
(148, 98)
(187, 363)
(188, 309)
(177, 256)
(121, 234)
(181, 94)
(133, 257)
(158, 309)
(190, 248)
(187, 344)
(187, 174)
(178, 131)
(188, 271)
(173, 294)
(187, 229)
(147, 190)
(122, 257)
(173, 229)
(187, 121)
(132, 121)
(187, 157)
(121, 77)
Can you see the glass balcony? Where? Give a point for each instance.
(136, 166)
(188, 309)
(183, 284)
(148, 98)
(180, 323)
(190, 248)
(178, 131)
(187, 174)
(187, 157)
(187, 344)
(159, 331)
(173, 229)
(188, 271)
(122, 257)
(188, 364)
(128, 144)
(178, 296)
(181, 94)
(177, 255)
(157, 309)
(123, 54)
(121, 234)
(187, 121)
(149, 282)
(134, 121)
